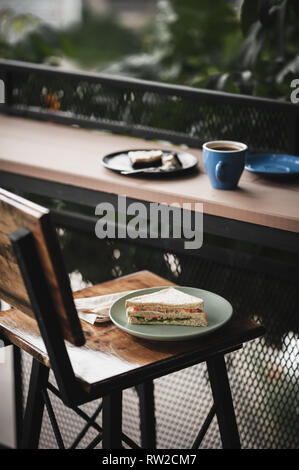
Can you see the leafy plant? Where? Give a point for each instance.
(268, 59)
(98, 40)
(189, 41)
(270, 50)
(253, 50)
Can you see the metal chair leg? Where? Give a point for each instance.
(147, 414)
(112, 420)
(18, 390)
(223, 403)
(35, 406)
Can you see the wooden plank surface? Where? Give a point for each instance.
(109, 351)
(72, 156)
(16, 212)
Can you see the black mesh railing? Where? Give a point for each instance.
(148, 109)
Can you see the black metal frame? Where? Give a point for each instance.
(38, 398)
(110, 434)
(147, 414)
(18, 389)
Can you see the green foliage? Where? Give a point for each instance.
(269, 58)
(189, 42)
(23, 37)
(196, 37)
(98, 40)
(212, 45)
(251, 50)
(270, 49)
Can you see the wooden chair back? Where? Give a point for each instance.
(15, 213)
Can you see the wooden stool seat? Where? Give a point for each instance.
(110, 352)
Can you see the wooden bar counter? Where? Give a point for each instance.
(72, 156)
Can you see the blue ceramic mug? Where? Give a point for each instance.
(224, 161)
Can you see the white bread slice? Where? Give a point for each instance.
(169, 297)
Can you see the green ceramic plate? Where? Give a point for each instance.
(219, 311)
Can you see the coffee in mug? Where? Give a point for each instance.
(224, 161)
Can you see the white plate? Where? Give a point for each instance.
(219, 312)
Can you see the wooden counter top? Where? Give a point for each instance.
(72, 156)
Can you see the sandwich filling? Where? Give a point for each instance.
(164, 310)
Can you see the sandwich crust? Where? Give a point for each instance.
(168, 298)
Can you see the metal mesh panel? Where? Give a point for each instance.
(150, 111)
(263, 375)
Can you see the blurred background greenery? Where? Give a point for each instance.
(240, 46)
